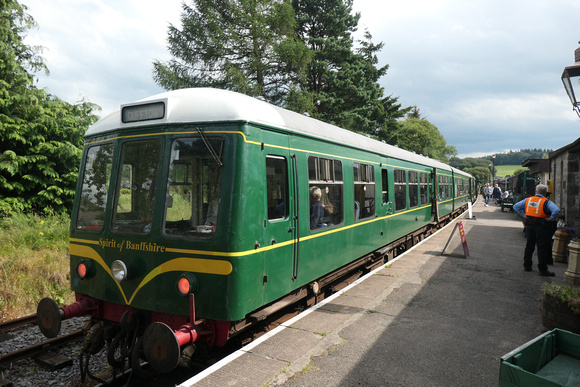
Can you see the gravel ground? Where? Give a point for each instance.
(29, 373)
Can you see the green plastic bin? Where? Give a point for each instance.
(552, 359)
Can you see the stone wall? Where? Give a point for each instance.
(565, 172)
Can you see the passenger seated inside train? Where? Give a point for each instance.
(316, 209)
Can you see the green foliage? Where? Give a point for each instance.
(296, 54)
(482, 175)
(518, 157)
(34, 232)
(247, 46)
(41, 136)
(421, 136)
(342, 86)
(469, 162)
(566, 294)
(33, 262)
(510, 158)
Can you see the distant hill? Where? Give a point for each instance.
(507, 159)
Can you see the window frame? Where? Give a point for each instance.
(328, 175)
(284, 196)
(398, 182)
(364, 181)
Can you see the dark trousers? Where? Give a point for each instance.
(538, 232)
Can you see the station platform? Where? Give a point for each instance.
(425, 319)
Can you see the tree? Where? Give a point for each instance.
(342, 86)
(482, 175)
(421, 136)
(414, 112)
(298, 54)
(248, 46)
(41, 136)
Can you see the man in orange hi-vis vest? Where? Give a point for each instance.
(538, 213)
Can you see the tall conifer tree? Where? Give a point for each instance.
(247, 46)
(341, 86)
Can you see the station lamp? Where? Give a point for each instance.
(571, 80)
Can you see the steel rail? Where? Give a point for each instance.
(29, 319)
(39, 347)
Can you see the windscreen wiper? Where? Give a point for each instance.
(210, 148)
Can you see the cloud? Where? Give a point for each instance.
(102, 50)
(485, 72)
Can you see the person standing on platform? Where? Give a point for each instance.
(487, 191)
(497, 194)
(539, 215)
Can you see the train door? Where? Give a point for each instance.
(280, 227)
(434, 195)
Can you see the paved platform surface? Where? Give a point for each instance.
(426, 319)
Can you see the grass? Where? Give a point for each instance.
(34, 263)
(504, 170)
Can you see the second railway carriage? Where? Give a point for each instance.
(193, 214)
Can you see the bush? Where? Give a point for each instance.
(567, 294)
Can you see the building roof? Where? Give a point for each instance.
(572, 147)
(537, 165)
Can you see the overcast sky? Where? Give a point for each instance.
(485, 72)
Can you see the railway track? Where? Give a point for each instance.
(37, 348)
(29, 319)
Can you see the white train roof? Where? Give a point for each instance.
(215, 105)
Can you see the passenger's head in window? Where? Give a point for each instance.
(315, 194)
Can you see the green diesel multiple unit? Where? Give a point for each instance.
(197, 207)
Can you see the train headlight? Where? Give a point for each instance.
(187, 283)
(119, 270)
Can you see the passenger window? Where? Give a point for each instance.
(277, 187)
(441, 189)
(385, 183)
(325, 191)
(400, 190)
(413, 190)
(364, 190)
(424, 194)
